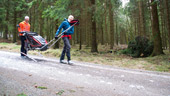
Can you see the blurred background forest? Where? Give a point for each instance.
(102, 22)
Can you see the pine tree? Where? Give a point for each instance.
(155, 30)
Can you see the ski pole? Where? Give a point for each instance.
(60, 35)
(29, 57)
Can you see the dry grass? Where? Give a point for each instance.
(105, 56)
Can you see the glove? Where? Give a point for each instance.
(23, 34)
(56, 37)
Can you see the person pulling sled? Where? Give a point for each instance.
(68, 30)
(30, 40)
(24, 26)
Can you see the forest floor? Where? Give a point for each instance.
(104, 56)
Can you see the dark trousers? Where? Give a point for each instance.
(23, 50)
(66, 49)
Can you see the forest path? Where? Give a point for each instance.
(81, 79)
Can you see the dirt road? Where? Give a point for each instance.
(81, 79)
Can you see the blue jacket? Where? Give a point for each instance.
(65, 25)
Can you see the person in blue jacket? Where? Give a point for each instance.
(66, 36)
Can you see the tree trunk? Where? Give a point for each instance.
(117, 36)
(57, 45)
(106, 31)
(87, 24)
(135, 26)
(168, 20)
(1, 30)
(80, 32)
(165, 34)
(5, 34)
(15, 28)
(102, 34)
(156, 31)
(48, 28)
(151, 21)
(121, 36)
(111, 25)
(141, 18)
(34, 18)
(161, 9)
(94, 43)
(41, 21)
(138, 26)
